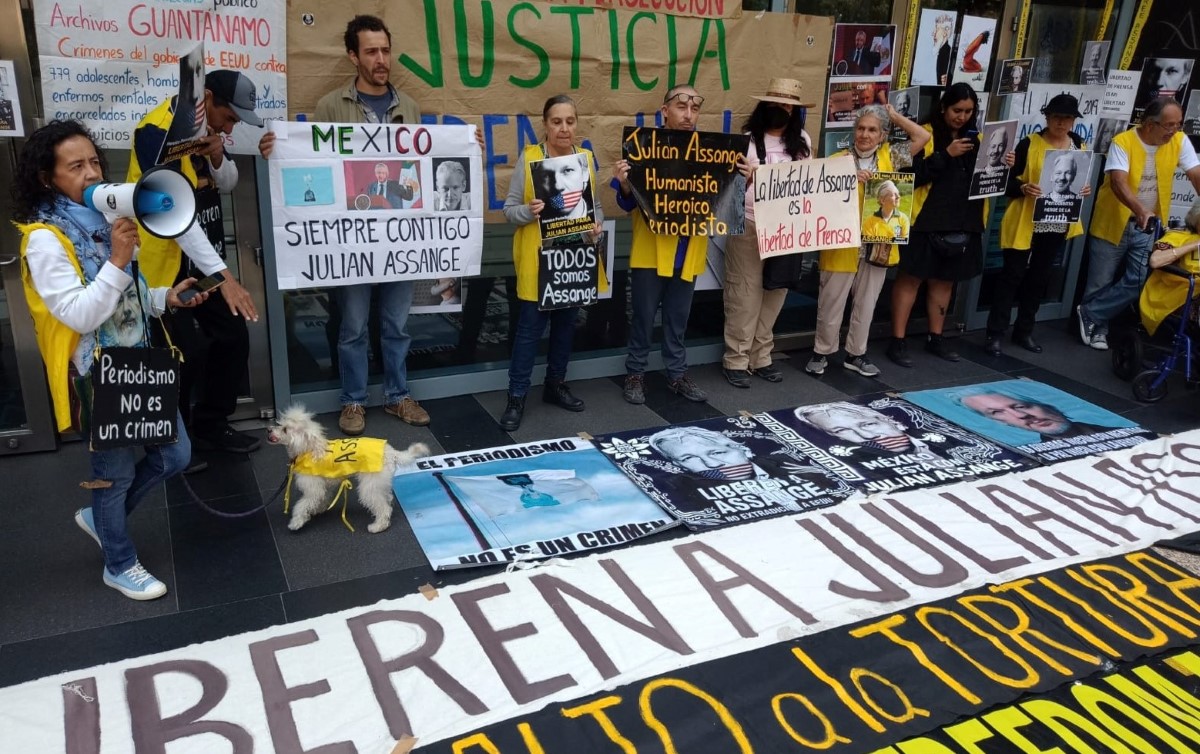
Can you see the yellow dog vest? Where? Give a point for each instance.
(344, 457)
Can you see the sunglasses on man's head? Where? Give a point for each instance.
(686, 99)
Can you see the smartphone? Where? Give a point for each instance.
(971, 133)
(203, 285)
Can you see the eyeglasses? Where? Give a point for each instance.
(1168, 127)
(686, 99)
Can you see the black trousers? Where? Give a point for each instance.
(216, 348)
(1023, 279)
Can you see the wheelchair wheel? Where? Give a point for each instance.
(1144, 389)
(1127, 354)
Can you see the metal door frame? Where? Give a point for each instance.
(38, 433)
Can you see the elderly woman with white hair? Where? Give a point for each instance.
(859, 271)
(1165, 292)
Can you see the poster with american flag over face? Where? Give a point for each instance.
(564, 186)
(189, 125)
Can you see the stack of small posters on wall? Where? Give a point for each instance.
(973, 61)
(991, 173)
(1014, 76)
(722, 471)
(518, 502)
(861, 72)
(1064, 174)
(888, 444)
(1162, 77)
(935, 43)
(1036, 419)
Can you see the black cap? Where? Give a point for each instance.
(1062, 104)
(236, 89)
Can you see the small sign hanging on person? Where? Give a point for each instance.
(135, 397)
(687, 182)
(569, 274)
(806, 206)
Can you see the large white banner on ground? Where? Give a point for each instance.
(440, 667)
(108, 64)
(370, 203)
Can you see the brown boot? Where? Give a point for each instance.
(409, 411)
(353, 419)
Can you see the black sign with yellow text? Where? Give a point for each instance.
(865, 686)
(686, 183)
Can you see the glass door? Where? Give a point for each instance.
(1055, 34)
(25, 417)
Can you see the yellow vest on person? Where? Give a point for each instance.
(527, 241)
(846, 260)
(55, 340)
(1016, 229)
(655, 251)
(343, 457)
(1164, 292)
(1110, 215)
(159, 258)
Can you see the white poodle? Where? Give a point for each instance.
(320, 465)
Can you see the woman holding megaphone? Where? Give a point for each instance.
(77, 271)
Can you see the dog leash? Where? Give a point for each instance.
(286, 483)
(285, 489)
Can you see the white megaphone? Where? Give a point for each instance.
(161, 201)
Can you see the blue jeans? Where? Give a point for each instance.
(131, 480)
(647, 292)
(531, 323)
(1105, 298)
(395, 299)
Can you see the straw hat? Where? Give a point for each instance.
(785, 92)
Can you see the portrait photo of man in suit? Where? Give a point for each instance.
(386, 193)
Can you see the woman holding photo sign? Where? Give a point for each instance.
(77, 270)
(859, 272)
(523, 209)
(946, 244)
(1031, 247)
(776, 130)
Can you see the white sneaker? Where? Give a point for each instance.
(136, 583)
(1099, 341)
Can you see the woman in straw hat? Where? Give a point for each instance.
(776, 130)
(858, 272)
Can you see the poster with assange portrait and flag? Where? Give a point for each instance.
(887, 444)
(520, 502)
(723, 471)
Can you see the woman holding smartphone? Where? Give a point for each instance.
(946, 243)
